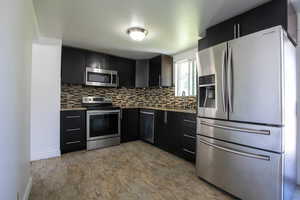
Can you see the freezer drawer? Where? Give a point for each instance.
(262, 137)
(246, 173)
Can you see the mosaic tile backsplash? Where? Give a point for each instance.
(153, 97)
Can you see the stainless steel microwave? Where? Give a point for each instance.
(101, 77)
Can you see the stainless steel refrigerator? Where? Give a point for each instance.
(246, 125)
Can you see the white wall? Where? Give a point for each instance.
(45, 99)
(298, 100)
(17, 29)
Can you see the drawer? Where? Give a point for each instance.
(73, 136)
(189, 131)
(189, 123)
(247, 173)
(189, 143)
(188, 155)
(72, 119)
(258, 136)
(73, 146)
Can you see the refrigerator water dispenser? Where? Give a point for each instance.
(207, 91)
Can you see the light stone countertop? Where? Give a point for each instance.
(140, 107)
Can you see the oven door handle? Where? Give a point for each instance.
(102, 112)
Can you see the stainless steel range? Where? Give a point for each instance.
(103, 126)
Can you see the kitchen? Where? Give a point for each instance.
(127, 102)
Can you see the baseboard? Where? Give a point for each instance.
(50, 153)
(28, 189)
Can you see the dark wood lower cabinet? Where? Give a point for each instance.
(72, 131)
(129, 125)
(175, 133)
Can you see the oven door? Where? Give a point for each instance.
(103, 124)
(101, 77)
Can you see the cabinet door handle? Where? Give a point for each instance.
(159, 81)
(238, 30)
(189, 151)
(75, 142)
(73, 117)
(73, 129)
(166, 117)
(234, 31)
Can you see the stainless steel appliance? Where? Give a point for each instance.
(101, 77)
(147, 125)
(103, 125)
(246, 125)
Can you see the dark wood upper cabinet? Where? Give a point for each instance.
(126, 70)
(142, 73)
(219, 33)
(94, 59)
(273, 13)
(72, 65)
(161, 71)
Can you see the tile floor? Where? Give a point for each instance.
(131, 171)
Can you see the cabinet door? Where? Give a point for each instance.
(161, 134)
(266, 16)
(130, 125)
(166, 71)
(174, 131)
(126, 70)
(94, 59)
(222, 32)
(72, 66)
(142, 74)
(155, 72)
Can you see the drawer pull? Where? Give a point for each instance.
(231, 128)
(73, 117)
(241, 153)
(146, 113)
(76, 142)
(189, 121)
(73, 129)
(188, 136)
(189, 151)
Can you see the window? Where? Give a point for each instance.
(185, 77)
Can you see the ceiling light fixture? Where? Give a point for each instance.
(137, 33)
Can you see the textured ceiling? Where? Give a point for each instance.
(174, 25)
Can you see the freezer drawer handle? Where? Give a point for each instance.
(262, 132)
(245, 154)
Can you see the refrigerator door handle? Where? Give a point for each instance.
(223, 79)
(229, 79)
(241, 153)
(262, 132)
